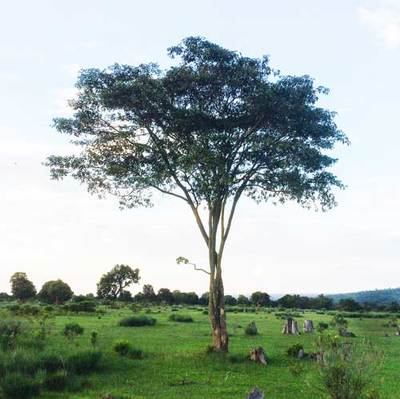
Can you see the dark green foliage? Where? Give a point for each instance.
(294, 350)
(179, 318)
(73, 330)
(379, 297)
(55, 292)
(243, 300)
(18, 386)
(122, 347)
(84, 362)
(137, 321)
(135, 353)
(260, 298)
(24, 310)
(56, 382)
(236, 358)
(22, 288)
(51, 362)
(251, 329)
(322, 326)
(94, 338)
(24, 362)
(349, 370)
(230, 300)
(113, 283)
(84, 306)
(9, 331)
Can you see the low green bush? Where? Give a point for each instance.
(294, 350)
(56, 382)
(179, 318)
(84, 362)
(9, 331)
(18, 386)
(137, 321)
(122, 347)
(51, 362)
(72, 330)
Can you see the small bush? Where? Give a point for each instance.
(84, 362)
(122, 347)
(51, 362)
(18, 386)
(179, 318)
(24, 362)
(237, 358)
(139, 321)
(72, 330)
(9, 331)
(84, 306)
(135, 353)
(56, 382)
(294, 350)
(322, 326)
(251, 329)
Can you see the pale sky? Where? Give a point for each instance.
(56, 230)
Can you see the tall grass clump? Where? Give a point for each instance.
(137, 321)
(180, 318)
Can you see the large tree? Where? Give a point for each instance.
(21, 287)
(212, 128)
(113, 284)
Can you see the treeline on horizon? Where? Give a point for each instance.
(59, 292)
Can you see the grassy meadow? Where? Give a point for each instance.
(176, 364)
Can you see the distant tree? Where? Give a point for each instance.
(190, 298)
(22, 288)
(243, 300)
(125, 296)
(348, 305)
(203, 300)
(113, 283)
(230, 300)
(56, 292)
(4, 296)
(295, 301)
(214, 127)
(139, 297)
(260, 298)
(164, 295)
(393, 307)
(148, 293)
(322, 302)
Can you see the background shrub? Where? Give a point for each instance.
(72, 330)
(181, 318)
(83, 362)
(122, 347)
(294, 350)
(18, 386)
(137, 321)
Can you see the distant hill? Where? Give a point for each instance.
(383, 297)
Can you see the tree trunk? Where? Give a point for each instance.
(217, 310)
(290, 327)
(308, 326)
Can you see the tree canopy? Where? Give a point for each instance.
(113, 284)
(21, 287)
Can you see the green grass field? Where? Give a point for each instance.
(176, 365)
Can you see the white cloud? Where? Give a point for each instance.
(385, 20)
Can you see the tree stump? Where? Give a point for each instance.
(290, 327)
(308, 326)
(255, 394)
(258, 355)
